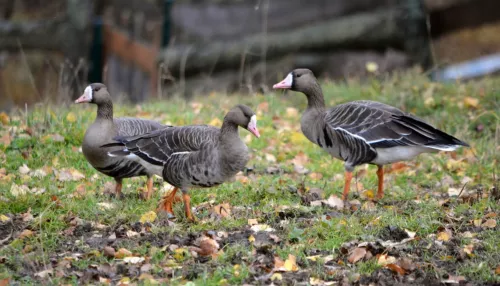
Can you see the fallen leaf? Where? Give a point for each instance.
(300, 159)
(4, 118)
(109, 251)
(357, 254)
(316, 176)
(444, 236)
(262, 227)
(291, 263)
(5, 281)
(148, 217)
(26, 233)
(122, 253)
(252, 221)
(277, 277)
(131, 233)
(5, 140)
(411, 234)
(44, 273)
(490, 223)
(4, 218)
(471, 102)
(452, 279)
(207, 247)
(497, 270)
(71, 117)
(335, 202)
(133, 259)
(70, 174)
(292, 112)
(16, 190)
(396, 268)
(24, 169)
(270, 158)
(477, 222)
(106, 206)
(468, 249)
(385, 259)
(222, 210)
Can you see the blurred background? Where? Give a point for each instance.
(51, 49)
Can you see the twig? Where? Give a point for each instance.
(41, 235)
(463, 187)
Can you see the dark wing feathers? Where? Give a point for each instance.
(384, 126)
(158, 146)
(128, 126)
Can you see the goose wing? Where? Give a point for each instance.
(384, 126)
(128, 126)
(158, 146)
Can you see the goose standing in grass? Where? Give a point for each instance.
(102, 131)
(360, 132)
(193, 156)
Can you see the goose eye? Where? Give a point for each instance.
(299, 75)
(96, 89)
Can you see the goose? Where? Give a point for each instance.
(361, 132)
(103, 129)
(194, 155)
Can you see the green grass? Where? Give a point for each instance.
(411, 202)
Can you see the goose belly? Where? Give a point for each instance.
(399, 153)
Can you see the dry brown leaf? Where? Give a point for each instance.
(490, 223)
(109, 251)
(497, 270)
(396, 268)
(5, 281)
(122, 252)
(357, 254)
(26, 233)
(5, 140)
(468, 249)
(316, 176)
(207, 247)
(222, 210)
(263, 106)
(398, 167)
(300, 159)
(4, 118)
(490, 215)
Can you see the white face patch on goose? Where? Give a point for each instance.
(86, 96)
(286, 83)
(252, 126)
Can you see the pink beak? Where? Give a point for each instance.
(252, 126)
(254, 131)
(86, 96)
(286, 83)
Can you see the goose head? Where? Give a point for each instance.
(94, 93)
(243, 116)
(298, 80)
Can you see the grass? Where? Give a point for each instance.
(416, 196)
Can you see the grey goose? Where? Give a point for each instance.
(193, 156)
(104, 129)
(360, 132)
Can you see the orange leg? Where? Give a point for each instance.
(380, 175)
(149, 192)
(118, 188)
(347, 184)
(187, 207)
(167, 202)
